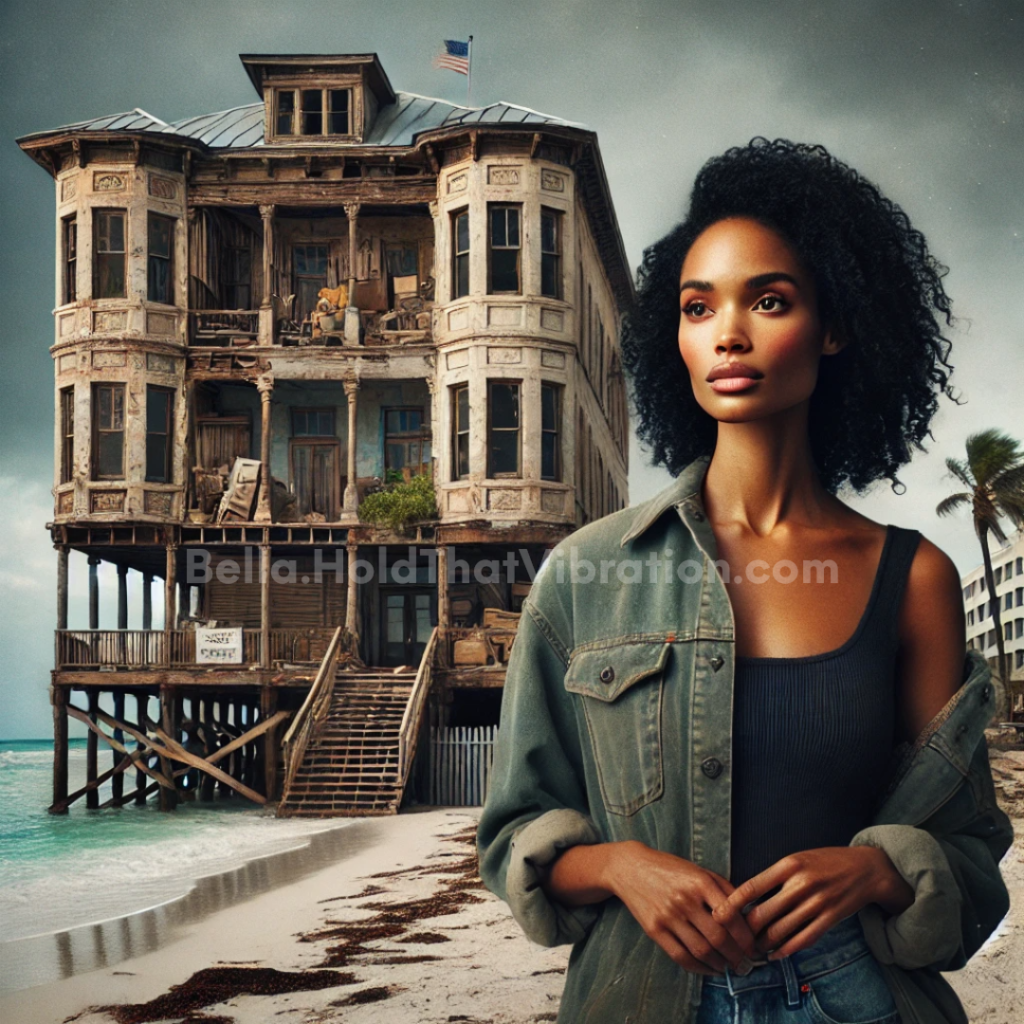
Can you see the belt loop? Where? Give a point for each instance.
(728, 982)
(792, 985)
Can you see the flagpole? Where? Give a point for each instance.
(469, 73)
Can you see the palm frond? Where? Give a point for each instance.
(990, 454)
(949, 505)
(959, 469)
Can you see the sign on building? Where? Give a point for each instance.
(219, 646)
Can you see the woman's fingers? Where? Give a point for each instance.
(701, 948)
(681, 955)
(721, 940)
(735, 925)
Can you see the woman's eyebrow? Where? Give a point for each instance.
(770, 278)
(700, 286)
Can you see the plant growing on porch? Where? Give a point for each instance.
(400, 503)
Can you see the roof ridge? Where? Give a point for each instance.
(146, 113)
(530, 110)
(214, 113)
(435, 99)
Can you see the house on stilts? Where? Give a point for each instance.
(339, 367)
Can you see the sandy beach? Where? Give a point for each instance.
(400, 930)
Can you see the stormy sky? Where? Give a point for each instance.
(925, 97)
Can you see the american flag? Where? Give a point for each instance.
(454, 56)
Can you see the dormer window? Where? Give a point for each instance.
(316, 113)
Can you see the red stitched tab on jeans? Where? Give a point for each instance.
(671, 638)
(805, 988)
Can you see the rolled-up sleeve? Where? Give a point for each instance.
(536, 804)
(959, 892)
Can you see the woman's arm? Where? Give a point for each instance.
(821, 887)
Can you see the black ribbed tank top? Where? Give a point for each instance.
(813, 736)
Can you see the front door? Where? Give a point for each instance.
(407, 615)
(315, 477)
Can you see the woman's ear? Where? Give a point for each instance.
(834, 342)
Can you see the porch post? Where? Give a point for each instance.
(59, 700)
(443, 612)
(170, 585)
(147, 600)
(352, 595)
(352, 310)
(122, 597)
(265, 386)
(265, 605)
(94, 593)
(62, 587)
(266, 324)
(351, 501)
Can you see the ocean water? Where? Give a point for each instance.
(62, 875)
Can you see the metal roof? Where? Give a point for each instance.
(396, 124)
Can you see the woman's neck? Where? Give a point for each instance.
(762, 476)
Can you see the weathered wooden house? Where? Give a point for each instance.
(265, 315)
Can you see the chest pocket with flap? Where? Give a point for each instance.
(621, 686)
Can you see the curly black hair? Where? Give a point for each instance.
(878, 288)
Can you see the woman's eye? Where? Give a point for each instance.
(770, 303)
(695, 308)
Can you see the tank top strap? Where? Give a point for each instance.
(897, 558)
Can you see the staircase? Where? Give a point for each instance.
(351, 765)
(350, 748)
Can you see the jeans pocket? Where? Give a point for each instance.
(621, 686)
(856, 993)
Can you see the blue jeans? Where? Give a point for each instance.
(835, 981)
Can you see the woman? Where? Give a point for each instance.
(694, 779)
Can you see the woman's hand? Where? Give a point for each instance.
(820, 888)
(671, 898)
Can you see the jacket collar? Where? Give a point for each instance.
(686, 487)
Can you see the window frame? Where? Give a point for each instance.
(167, 476)
(99, 215)
(557, 390)
(492, 248)
(67, 429)
(517, 474)
(69, 252)
(553, 256)
(460, 432)
(320, 410)
(460, 254)
(98, 431)
(422, 436)
(172, 230)
(297, 114)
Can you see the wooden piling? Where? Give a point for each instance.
(94, 592)
(147, 600)
(62, 587)
(141, 785)
(117, 781)
(168, 798)
(92, 798)
(59, 700)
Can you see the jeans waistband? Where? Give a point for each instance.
(840, 945)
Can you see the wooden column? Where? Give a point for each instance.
(147, 600)
(141, 779)
(170, 585)
(168, 799)
(352, 310)
(184, 601)
(443, 612)
(352, 595)
(266, 325)
(122, 597)
(265, 386)
(265, 605)
(92, 798)
(209, 747)
(268, 706)
(351, 385)
(94, 592)
(59, 700)
(117, 782)
(62, 587)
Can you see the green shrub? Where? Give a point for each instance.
(400, 503)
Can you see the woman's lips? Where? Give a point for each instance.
(733, 384)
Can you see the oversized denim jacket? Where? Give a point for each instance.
(616, 724)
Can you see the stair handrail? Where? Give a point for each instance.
(317, 701)
(409, 730)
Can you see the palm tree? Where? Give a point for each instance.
(993, 475)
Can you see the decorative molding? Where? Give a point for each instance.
(552, 501)
(499, 355)
(555, 360)
(101, 359)
(109, 321)
(457, 359)
(552, 181)
(66, 325)
(458, 183)
(159, 503)
(503, 499)
(163, 188)
(157, 363)
(69, 188)
(106, 182)
(67, 362)
(161, 323)
(502, 175)
(107, 501)
(504, 316)
(458, 319)
(66, 502)
(552, 319)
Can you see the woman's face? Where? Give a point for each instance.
(749, 330)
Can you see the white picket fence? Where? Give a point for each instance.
(460, 765)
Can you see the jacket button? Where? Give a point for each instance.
(717, 662)
(607, 674)
(985, 694)
(712, 767)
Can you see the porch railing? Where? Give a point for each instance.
(148, 648)
(409, 731)
(220, 326)
(311, 714)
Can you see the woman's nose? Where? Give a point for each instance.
(731, 336)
